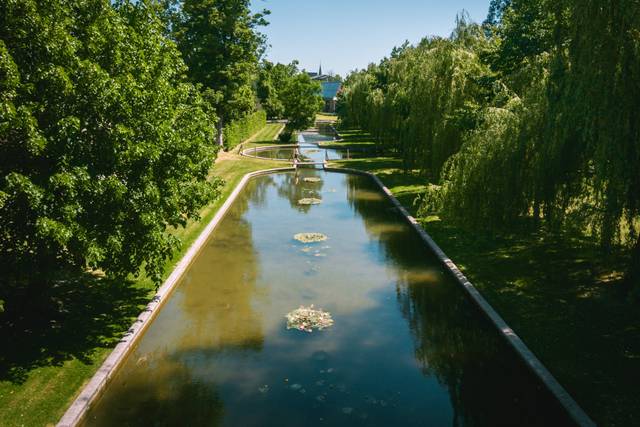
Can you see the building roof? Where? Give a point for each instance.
(330, 89)
(321, 77)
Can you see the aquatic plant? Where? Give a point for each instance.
(310, 237)
(307, 319)
(309, 201)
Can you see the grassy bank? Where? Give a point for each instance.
(558, 291)
(326, 117)
(266, 136)
(45, 360)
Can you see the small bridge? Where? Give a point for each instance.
(297, 159)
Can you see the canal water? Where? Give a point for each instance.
(309, 148)
(407, 347)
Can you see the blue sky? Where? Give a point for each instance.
(349, 34)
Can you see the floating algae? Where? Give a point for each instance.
(312, 179)
(310, 237)
(309, 201)
(307, 319)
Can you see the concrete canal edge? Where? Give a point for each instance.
(578, 415)
(94, 388)
(247, 151)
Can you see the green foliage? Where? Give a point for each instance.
(301, 100)
(272, 80)
(241, 129)
(534, 115)
(285, 92)
(422, 100)
(496, 10)
(526, 30)
(221, 46)
(103, 143)
(573, 139)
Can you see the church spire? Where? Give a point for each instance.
(320, 69)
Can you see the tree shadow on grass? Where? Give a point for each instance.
(69, 319)
(566, 299)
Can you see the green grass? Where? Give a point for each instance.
(45, 362)
(351, 138)
(266, 136)
(558, 291)
(327, 117)
(267, 133)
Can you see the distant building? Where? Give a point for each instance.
(330, 89)
(319, 76)
(330, 95)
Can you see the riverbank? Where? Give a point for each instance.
(45, 363)
(557, 291)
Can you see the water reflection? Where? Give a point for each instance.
(407, 348)
(165, 395)
(451, 341)
(294, 188)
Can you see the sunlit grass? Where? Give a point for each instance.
(327, 117)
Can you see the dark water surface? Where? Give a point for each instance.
(407, 347)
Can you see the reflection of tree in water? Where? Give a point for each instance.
(326, 130)
(164, 394)
(217, 301)
(487, 382)
(292, 187)
(255, 192)
(221, 290)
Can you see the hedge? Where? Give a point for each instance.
(240, 130)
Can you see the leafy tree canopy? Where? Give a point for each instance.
(103, 142)
(535, 115)
(221, 46)
(301, 100)
(272, 80)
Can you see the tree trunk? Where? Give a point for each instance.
(219, 136)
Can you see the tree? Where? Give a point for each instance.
(496, 10)
(535, 116)
(221, 46)
(272, 79)
(526, 29)
(422, 100)
(301, 99)
(103, 142)
(565, 147)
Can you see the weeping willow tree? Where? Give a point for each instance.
(536, 114)
(424, 98)
(566, 149)
(594, 122)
